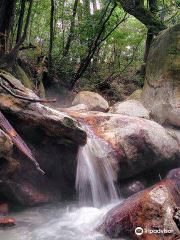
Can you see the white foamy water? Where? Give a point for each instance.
(96, 173)
(96, 186)
(57, 222)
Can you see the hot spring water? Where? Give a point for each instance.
(96, 188)
(96, 173)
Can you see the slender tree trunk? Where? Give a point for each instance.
(86, 4)
(153, 7)
(92, 49)
(8, 58)
(149, 40)
(71, 31)
(51, 35)
(94, 5)
(6, 14)
(20, 21)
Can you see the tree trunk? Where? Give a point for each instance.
(71, 31)
(137, 9)
(153, 7)
(6, 14)
(86, 4)
(7, 59)
(149, 40)
(51, 35)
(93, 47)
(20, 21)
(94, 5)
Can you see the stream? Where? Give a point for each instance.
(65, 221)
(96, 186)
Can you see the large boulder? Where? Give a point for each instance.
(131, 108)
(92, 100)
(53, 138)
(136, 144)
(154, 210)
(161, 92)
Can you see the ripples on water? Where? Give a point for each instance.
(57, 222)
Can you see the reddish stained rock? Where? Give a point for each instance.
(4, 209)
(53, 138)
(7, 222)
(151, 209)
(137, 144)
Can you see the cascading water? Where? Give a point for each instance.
(96, 185)
(96, 172)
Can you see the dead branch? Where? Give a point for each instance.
(9, 82)
(18, 96)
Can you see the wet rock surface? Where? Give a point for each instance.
(6, 222)
(136, 144)
(132, 186)
(151, 209)
(53, 138)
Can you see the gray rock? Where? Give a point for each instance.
(161, 93)
(137, 144)
(131, 108)
(92, 100)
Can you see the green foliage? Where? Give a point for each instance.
(118, 54)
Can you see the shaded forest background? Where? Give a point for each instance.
(57, 47)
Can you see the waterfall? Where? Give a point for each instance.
(96, 172)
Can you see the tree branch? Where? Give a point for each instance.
(11, 56)
(24, 98)
(92, 49)
(137, 9)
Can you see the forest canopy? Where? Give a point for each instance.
(86, 44)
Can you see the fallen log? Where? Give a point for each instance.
(16, 139)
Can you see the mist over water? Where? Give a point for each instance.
(57, 222)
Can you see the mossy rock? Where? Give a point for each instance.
(22, 76)
(41, 90)
(161, 92)
(136, 95)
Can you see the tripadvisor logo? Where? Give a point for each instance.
(139, 231)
